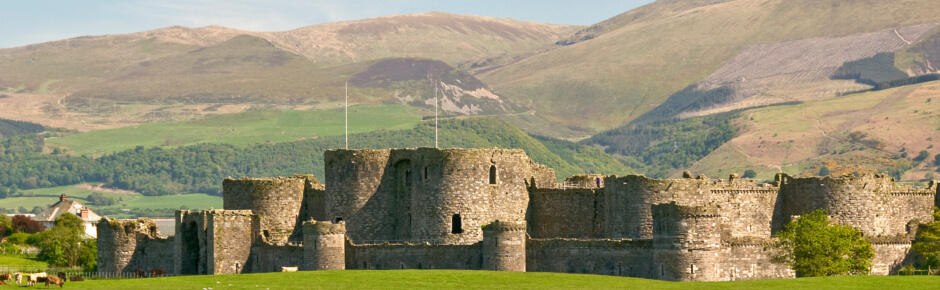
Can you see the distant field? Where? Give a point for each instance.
(46, 196)
(242, 129)
(453, 279)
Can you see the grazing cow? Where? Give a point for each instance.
(61, 275)
(76, 278)
(18, 277)
(55, 281)
(31, 280)
(157, 273)
(140, 273)
(288, 269)
(5, 277)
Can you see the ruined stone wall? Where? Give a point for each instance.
(630, 198)
(191, 255)
(891, 256)
(604, 257)
(271, 257)
(391, 256)
(544, 176)
(747, 208)
(908, 207)
(314, 206)
(874, 204)
(119, 243)
(749, 260)
(278, 199)
(566, 213)
(230, 235)
(127, 245)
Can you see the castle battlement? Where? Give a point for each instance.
(496, 209)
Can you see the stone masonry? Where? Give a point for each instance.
(495, 209)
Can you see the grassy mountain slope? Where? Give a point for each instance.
(634, 61)
(865, 132)
(76, 63)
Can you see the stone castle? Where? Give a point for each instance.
(495, 209)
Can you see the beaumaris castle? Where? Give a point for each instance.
(495, 209)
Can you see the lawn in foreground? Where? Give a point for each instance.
(454, 279)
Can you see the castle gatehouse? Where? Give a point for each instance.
(495, 209)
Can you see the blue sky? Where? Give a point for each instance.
(35, 21)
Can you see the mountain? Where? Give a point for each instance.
(98, 82)
(611, 73)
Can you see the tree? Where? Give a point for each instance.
(927, 242)
(824, 171)
(62, 245)
(750, 173)
(6, 225)
(936, 160)
(923, 155)
(24, 224)
(814, 247)
(36, 210)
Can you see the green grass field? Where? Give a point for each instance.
(242, 129)
(453, 279)
(21, 261)
(46, 196)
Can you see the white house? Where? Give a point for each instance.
(48, 216)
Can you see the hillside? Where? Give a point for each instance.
(167, 169)
(879, 131)
(613, 72)
(100, 82)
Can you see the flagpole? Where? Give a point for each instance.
(346, 111)
(435, 115)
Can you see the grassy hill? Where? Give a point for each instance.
(451, 279)
(615, 71)
(866, 132)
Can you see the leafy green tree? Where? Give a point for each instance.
(6, 225)
(936, 160)
(927, 242)
(923, 155)
(36, 210)
(814, 247)
(62, 245)
(824, 171)
(750, 173)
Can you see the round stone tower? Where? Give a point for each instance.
(504, 246)
(686, 242)
(276, 200)
(324, 246)
(467, 189)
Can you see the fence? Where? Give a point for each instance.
(71, 273)
(915, 272)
